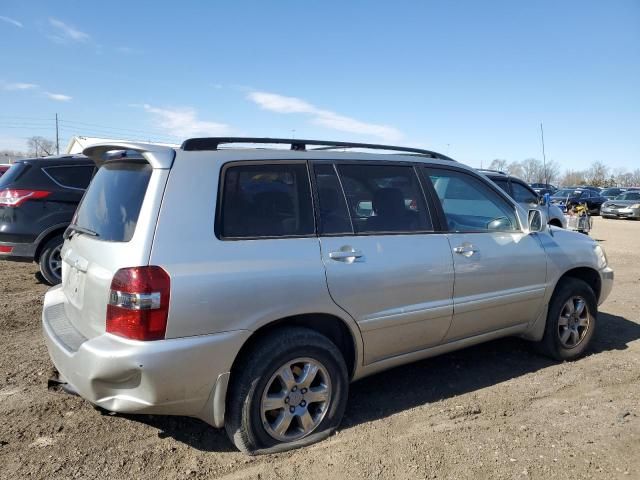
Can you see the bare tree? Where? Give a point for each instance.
(40, 146)
(498, 164)
(515, 169)
(532, 170)
(550, 172)
(573, 178)
(598, 174)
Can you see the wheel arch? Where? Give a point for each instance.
(331, 326)
(588, 275)
(47, 235)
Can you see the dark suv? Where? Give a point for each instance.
(38, 198)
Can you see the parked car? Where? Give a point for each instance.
(526, 196)
(626, 205)
(543, 188)
(584, 187)
(3, 168)
(244, 287)
(611, 193)
(38, 197)
(570, 197)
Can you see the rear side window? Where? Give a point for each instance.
(503, 184)
(71, 176)
(522, 194)
(384, 198)
(112, 203)
(266, 200)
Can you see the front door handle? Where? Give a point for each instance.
(466, 250)
(345, 255)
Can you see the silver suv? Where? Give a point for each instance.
(248, 286)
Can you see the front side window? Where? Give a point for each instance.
(266, 200)
(522, 194)
(469, 204)
(384, 198)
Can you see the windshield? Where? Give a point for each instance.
(610, 192)
(111, 205)
(567, 193)
(629, 196)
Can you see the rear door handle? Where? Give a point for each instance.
(342, 255)
(465, 250)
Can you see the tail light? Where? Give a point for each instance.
(16, 197)
(5, 249)
(139, 303)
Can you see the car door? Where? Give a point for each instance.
(385, 263)
(500, 270)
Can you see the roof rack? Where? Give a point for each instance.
(212, 143)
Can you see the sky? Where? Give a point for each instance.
(469, 79)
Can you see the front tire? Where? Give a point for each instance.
(288, 391)
(50, 261)
(571, 321)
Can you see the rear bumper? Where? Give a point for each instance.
(173, 377)
(24, 252)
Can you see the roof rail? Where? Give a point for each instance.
(212, 143)
(492, 171)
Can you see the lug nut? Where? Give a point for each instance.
(303, 403)
(286, 400)
(291, 409)
(294, 389)
(304, 390)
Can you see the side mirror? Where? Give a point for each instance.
(535, 221)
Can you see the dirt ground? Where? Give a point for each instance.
(492, 411)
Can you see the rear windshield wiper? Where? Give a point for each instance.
(73, 228)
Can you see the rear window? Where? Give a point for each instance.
(112, 203)
(71, 176)
(13, 174)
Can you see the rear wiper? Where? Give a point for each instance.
(73, 228)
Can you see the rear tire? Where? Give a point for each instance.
(275, 404)
(571, 321)
(50, 260)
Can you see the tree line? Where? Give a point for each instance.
(598, 174)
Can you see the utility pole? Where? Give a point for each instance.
(57, 137)
(544, 158)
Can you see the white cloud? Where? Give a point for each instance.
(11, 21)
(20, 86)
(59, 97)
(325, 118)
(67, 32)
(184, 122)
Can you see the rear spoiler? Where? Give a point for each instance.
(158, 156)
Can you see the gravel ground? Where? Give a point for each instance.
(492, 411)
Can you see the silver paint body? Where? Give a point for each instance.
(406, 298)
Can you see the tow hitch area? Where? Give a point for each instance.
(57, 384)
